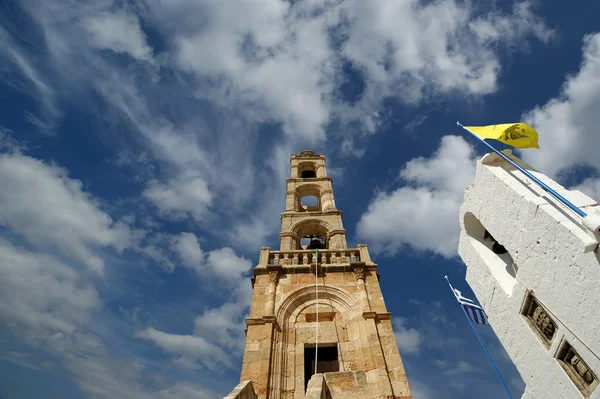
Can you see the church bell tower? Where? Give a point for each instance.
(318, 325)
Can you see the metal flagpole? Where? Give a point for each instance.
(480, 341)
(528, 174)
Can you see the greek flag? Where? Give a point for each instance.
(475, 312)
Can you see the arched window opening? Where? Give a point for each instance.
(311, 234)
(493, 253)
(307, 170)
(310, 203)
(312, 242)
(308, 198)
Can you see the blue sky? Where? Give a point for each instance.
(144, 150)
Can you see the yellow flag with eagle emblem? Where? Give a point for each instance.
(519, 135)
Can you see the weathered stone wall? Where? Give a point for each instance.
(243, 390)
(550, 256)
(352, 316)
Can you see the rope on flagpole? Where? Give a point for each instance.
(317, 305)
(480, 341)
(590, 221)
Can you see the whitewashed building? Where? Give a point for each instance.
(535, 268)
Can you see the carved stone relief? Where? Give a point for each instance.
(539, 320)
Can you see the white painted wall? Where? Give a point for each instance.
(553, 255)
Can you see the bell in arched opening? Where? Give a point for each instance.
(498, 249)
(315, 243)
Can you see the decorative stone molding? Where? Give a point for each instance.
(539, 320)
(576, 368)
(369, 315)
(256, 321)
(377, 316)
(273, 277)
(359, 273)
(384, 316)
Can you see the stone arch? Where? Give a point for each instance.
(317, 227)
(293, 303)
(307, 170)
(288, 346)
(309, 190)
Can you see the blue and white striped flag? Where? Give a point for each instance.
(475, 312)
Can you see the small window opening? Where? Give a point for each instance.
(309, 203)
(494, 254)
(327, 361)
(308, 174)
(497, 248)
(310, 200)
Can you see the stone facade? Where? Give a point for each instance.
(333, 300)
(542, 290)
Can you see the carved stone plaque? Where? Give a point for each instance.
(577, 369)
(539, 320)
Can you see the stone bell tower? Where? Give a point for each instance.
(318, 327)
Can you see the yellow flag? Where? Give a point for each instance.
(519, 135)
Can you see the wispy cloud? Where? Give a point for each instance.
(422, 213)
(185, 94)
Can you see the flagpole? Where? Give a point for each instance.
(481, 341)
(317, 306)
(590, 221)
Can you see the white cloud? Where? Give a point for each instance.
(408, 339)
(218, 329)
(290, 72)
(496, 27)
(49, 209)
(226, 263)
(590, 187)
(32, 80)
(180, 198)
(40, 296)
(119, 32)
(222, 262)
(188, 248)
(423, 214)
(218, 335)
(421, 390)
(231, 68)
(404, 55)
(225, 325)
(460, 368)
(568, 123)
(276, 66)
(191, 346)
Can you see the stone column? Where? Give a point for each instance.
(291, 199)
(364, 254)
(327, 202)
(359, 274)
(258, 353)
(264, 256)
(271, 291)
